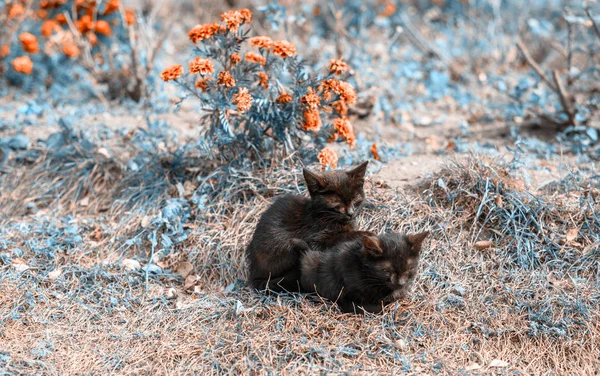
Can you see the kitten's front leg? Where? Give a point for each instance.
(299, 246)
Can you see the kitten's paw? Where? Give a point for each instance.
(299, 246)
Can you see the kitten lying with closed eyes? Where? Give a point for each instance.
(295, 224)
(368, 272)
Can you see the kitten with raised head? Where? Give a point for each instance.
(368, 272)
(295, 224)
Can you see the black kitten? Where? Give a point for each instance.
(367, 272)
(294, 225)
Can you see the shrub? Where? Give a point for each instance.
(51, 40)
(257, 94)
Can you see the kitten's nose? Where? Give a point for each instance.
(350, 211)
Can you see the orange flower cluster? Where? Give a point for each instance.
(312, 120)
(235, 58)
(284, 98)
(129, 16)
(202, 84)
(389, 9)
(255, 58)
(202, 32)
(234, 18)
(49, 27)
(341, 88)
(311, 99)
(16, 11)
(29, 43)
(23, 64)
(226, 79)
(243, 99)
(283, 48)
(70, 49)
(328, 157)
(374, 152)
(102, 27)
(172, 73)
(51, 4)
(338, 66)
(264, 43)
(202, 66)
(264, 80)
(344, 129)
(111, 7)
(4, 50)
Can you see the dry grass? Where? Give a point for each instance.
(469, 307)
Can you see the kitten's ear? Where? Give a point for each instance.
(358, 173)
(372, 246)
(314, 181)
(416, 241)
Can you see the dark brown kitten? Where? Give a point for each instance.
(293, 225)
(367, 272)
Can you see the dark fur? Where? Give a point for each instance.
(293, 225)
(367, 272)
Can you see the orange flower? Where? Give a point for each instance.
(16, 11)
(23, 64)
(4, 50)
(328, 157)
(389, 10)
(261, 42)
(29, 43)
(243, 100)
(338, 66)
(340, 107)
(374, 152)
(312, 120)
(111, 7)
(202, 32)
(202, 84)
(311, 99)
(255, 58)
(246, 15)
(172, 73)
(61, 19)
(42, 14)
(347, 93)
(264, 80)
(344, 129)
(283, 48)
(341, 88)
(202, 66)
(233, 19)
(92, 38)
(284, 98)
(84, 24)
(70, 49)
(235, 58)
(226, 79)
(102, 27)
(48, 27)
(129, 16)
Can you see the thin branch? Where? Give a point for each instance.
(596, 27)
(421, 43)
(535, 65)
(564, 98)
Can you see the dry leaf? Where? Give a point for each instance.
(53, 275)
(104, 152)
(130, 264)
(184, 268)
(451, 145)
(483, 244)
(498, 363)
(20, 265)
(472, 367)
(84, 202)
(499, 202)
(170, 293)
(190, 281)
(572, 234)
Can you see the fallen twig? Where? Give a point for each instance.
(564, 98)
(534, 65)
